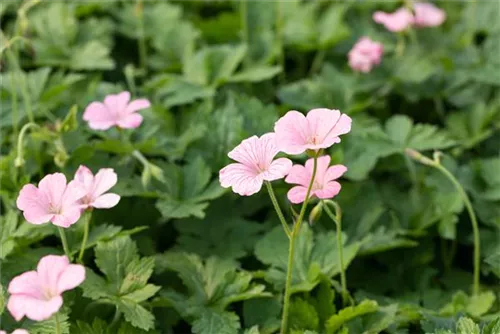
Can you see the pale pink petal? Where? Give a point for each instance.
(49, 269)
(73, 193)
(329, 190)
(334, 172)
(321, 168)
(365, 54)
(34, 204)
(53, 186)
(342, 126)
(292, 132)
(19, 331)
(297, 194)
(395, 22)
(72, 276)
(85, 177)
(68, 217)
(278, 169)
(98, 116)
(104, 180)
(298, 174)
(129, 121)
(244, 180)
(428, 15)
(105, 201)
(27, 284)
(136, 105)
(116, 103)
(34, 309)
(246, 152)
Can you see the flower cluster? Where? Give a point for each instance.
(367, 53)
(293, 134)
(37, 294)
(62, 203)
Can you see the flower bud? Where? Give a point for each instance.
(316, 212)
(415, 155)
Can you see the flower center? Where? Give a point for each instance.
(54, 209)
(314, 140)
(48, 294)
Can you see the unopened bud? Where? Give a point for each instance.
(315, 214)
(415, 155)
(19, 162)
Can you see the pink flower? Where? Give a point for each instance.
(37, 294)
(398, 21)
(53, 201)
(255, 165)
(324, 185)
(428, 15)
(365, 54)
(96, 186)
(321, 128)
(17, 331)
(115, 111)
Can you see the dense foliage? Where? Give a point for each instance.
(181, 254)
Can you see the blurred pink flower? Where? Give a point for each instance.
(365, 54)
(115, 111)
(428, 15)
(96, 186)
(255, 165)
(324, 185)
(398, 21)
(52, 201)
(321, 128)
(37, 294)
(17, 331)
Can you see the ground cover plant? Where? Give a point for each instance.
(250, 167)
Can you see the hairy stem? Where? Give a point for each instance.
(278, 209)
(294, 234)
(475, 225)
(86, 223)
(64, 241)
(338, 222)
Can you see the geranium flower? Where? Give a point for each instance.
(115, 111)
(321, 128)
(17, 331)
(428, 15)
(255, 165)
(398, 21)
(38, 294)
(365, 54)
(324, 185)
(53, 201)
(96, 186)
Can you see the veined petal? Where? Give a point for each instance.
(105, 201)
(292, 132)
(98, 116)
(243, 179)
(278, 169)
(329, 190)
(297, 194)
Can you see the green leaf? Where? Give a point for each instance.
(223, 233)
(323, 300)
(260, 18)
(264, 312)
(475, 305)
(70, 123)
(188, 190)
(467, 326)
(303, 315)
(338, 320)
(329, 88)
(97, 326)
(256, 74)
(49, 326)
(216, 322)
(113, 256)
(214, 282)
(493, 327)
(314, 255)
(136, 314)
(2, 299)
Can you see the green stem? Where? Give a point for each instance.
(338, 222)
(58, 325)
(19, 161)
(278, 209)
(116, 318)
(86, 222)
(64, 241)
(142, 38)
(475, 225)
(294, 234)
(317, 61)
